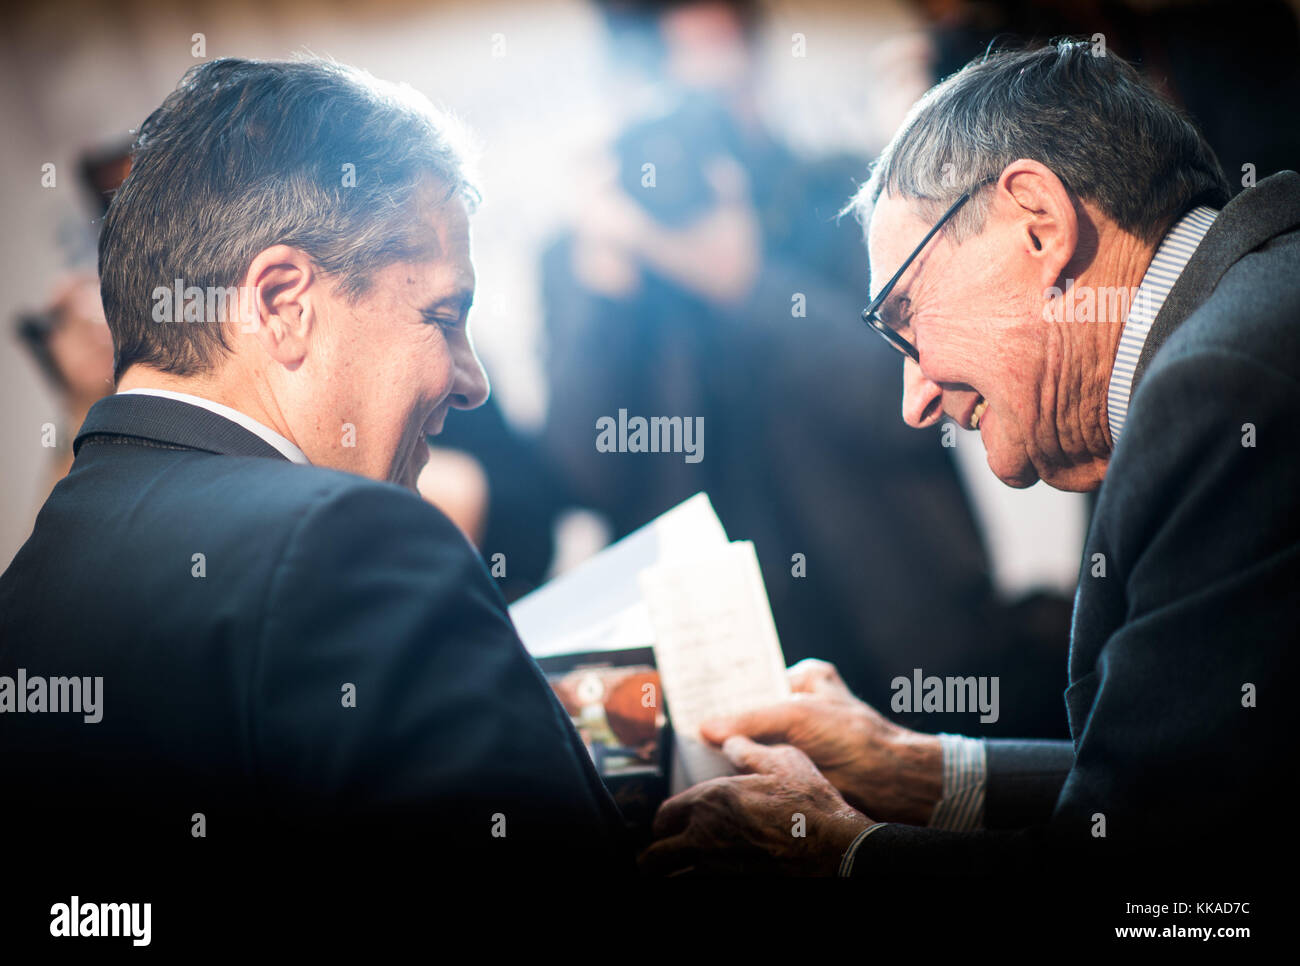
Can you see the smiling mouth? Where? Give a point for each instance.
(978, 413)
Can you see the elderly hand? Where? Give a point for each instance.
(781, 817)
(879, 767)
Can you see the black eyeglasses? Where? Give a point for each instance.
(871, 314)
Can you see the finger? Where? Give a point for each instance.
(786, 761)
(751, 757)
(674, 814)
(812, 675)
(773, 723)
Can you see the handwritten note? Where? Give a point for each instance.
(716, 648)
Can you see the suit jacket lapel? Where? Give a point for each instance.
(1246, 222)
(170, 422)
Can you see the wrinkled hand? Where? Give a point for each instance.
(887, 771)
(781, 818)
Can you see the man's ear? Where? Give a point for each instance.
(281, 301)
(1043, 212)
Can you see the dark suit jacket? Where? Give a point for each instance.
(223, 688)
(1199, 604)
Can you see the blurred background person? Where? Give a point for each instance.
(72, 347)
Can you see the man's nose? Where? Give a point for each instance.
(922, 399)
(472, 388)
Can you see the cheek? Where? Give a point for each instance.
(442, 376)
(419, 377)
(402, 379)
(998, 343)
(437, 370)
(952, 350)
(1012, 396)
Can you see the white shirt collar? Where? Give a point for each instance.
(290, 451)
(1175, 250)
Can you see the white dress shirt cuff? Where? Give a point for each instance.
(961, 809)
(846, 862)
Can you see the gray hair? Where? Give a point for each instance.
(247, 154)
(1089, 117)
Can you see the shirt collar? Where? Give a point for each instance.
(1171, 257)
(290, 451)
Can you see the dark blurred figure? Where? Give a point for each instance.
(1233, 65)
(493, 481)
(73, 348)
(69, 339)
(102, 172)
(719, 283)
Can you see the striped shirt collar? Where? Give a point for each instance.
(1166, 266)
(288, 449)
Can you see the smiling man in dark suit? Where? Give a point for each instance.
(294, 648)
(1054, 253)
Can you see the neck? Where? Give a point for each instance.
(216, 387)
(1102, 293)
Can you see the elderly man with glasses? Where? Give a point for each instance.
(1067, 276)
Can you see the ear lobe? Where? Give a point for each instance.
(286, 332)
(280, 283)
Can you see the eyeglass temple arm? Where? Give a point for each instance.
(889, 286)
(952, 209)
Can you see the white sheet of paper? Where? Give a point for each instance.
(597, 606)
(716, 648)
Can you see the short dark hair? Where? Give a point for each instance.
(1087, 115)
(246, 154)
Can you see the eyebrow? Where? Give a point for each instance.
(460, 301)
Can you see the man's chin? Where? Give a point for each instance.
(1083, 478)
(1070, 477)
(1018, 473)
(408, 474)
(1019, 481)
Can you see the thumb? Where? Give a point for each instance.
(773, 723)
